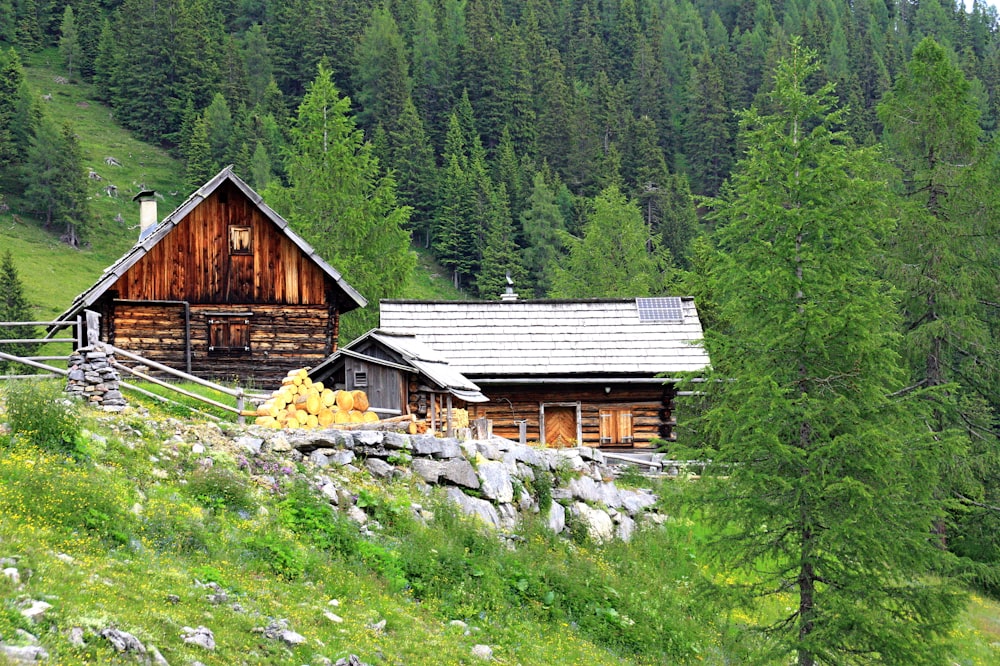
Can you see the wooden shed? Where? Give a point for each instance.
(401, 375)
(597, 372)
(221, 287)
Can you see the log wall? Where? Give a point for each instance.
(282, 338)
(651, 407)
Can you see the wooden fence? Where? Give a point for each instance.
(85, 333)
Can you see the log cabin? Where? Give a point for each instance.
(596, 372)
(221, 288)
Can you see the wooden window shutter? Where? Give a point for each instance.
(607, 426)
(625, 426)
(229, 334)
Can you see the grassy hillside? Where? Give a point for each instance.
(160, 525)
(55, 273)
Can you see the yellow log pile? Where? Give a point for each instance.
(303, 403)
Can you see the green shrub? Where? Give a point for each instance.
(217, 488)
(42, 414)
(307, 515)
(281, 556)
(171, 524)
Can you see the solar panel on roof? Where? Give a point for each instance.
(664, 308)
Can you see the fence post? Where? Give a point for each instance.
(240, 403)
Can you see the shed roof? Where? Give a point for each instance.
(150, 238)
(417, 357)
(551, 338)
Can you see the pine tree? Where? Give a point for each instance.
(199, 165)
(807, 441)
(261, 171)
(501, 258)
(708, 145)
(341, 204)
(382, 79)
(413, 160)
(542, 226)
(55, 181)
(611, 260)
(945, 256)
(14, 306)
(219, 129)
(69, 41)
(17, 121)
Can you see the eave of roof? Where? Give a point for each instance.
(114, 272)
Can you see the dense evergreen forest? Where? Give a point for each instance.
(820, 174)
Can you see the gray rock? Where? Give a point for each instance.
(449, 449)
(158, 659)
(425, 445)
(292, 638)
(330, 491)
(635, 501)
(379, 468)
(508, 516)
(26, 637)
(250, 444)
(351, 660)
(528, 455)
(474, 506)
(494, 481)
(557, 518)
(625, 528)
(76, 637)
(585, 489)
(319, 458)
(342, 457)
(26, 654)
(122, 641)
(35, 610)
(428, 470)
(13, 575)
(460, 472)
(200, 636)
(610, 495)
(488, 450)
(356, 514)
(458, 623)
(369, 437)
(484, 652)
(396, 441)
(598, 523)
(525, 472)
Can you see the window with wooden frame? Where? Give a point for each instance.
(240, 239)
(616, 426)
(229, 333)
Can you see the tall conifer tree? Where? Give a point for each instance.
(823, 482)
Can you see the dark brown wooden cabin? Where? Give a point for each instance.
(222, 288)
(400, 375)
(597, 372)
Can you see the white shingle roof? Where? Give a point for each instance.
(550, 337)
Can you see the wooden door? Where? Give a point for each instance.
(560, 426)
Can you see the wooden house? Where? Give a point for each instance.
(401, 375)
(221, 287)
(598, 372)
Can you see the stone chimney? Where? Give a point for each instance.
(147, 212)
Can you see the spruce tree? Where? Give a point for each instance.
(612, 259)
(501, 257)
(542, 226)
(822, 482)
(69, 41)
(341, 203)
(14, 306)
(55, 183)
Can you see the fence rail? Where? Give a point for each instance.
(87, 330)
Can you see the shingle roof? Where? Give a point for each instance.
(550, 337)
(417, 356)
(153, 236)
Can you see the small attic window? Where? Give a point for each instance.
(240, 239)
(360, 379)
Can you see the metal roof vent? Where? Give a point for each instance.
(509, 295)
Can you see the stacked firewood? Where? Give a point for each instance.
(303, 403)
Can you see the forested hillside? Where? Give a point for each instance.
(820, 174)
(503, 124)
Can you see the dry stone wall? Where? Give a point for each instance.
(490, 479)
